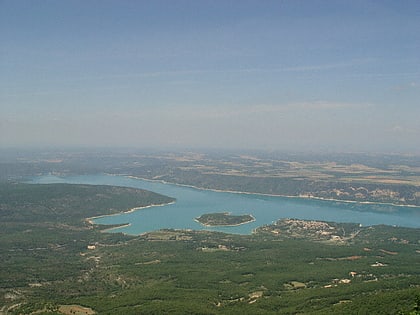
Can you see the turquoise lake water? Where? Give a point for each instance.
(191, 203)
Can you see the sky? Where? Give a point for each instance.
(285, 75)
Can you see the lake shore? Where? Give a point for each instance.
(192, 202)
(116, 228)
(305, 197)
(90, 220)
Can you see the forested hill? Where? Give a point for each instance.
(51, 202)
(54, 263)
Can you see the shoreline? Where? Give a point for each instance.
(115, 228)
(265, 194)
(90, 220)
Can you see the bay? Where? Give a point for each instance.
(192, 202)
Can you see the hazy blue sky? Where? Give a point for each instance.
(291, 75)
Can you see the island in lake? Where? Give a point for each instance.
(224, 219)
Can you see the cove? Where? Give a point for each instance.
(192, 202)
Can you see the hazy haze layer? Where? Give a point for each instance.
(297, 75)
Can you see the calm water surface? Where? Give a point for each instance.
(191, 203)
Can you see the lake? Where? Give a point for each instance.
(191, 203)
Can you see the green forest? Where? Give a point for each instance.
(53, 260)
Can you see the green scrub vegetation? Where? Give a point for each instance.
(54, 260)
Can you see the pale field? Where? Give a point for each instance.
(251, 166)
(75, 310)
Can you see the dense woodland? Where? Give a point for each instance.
(52, 257)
